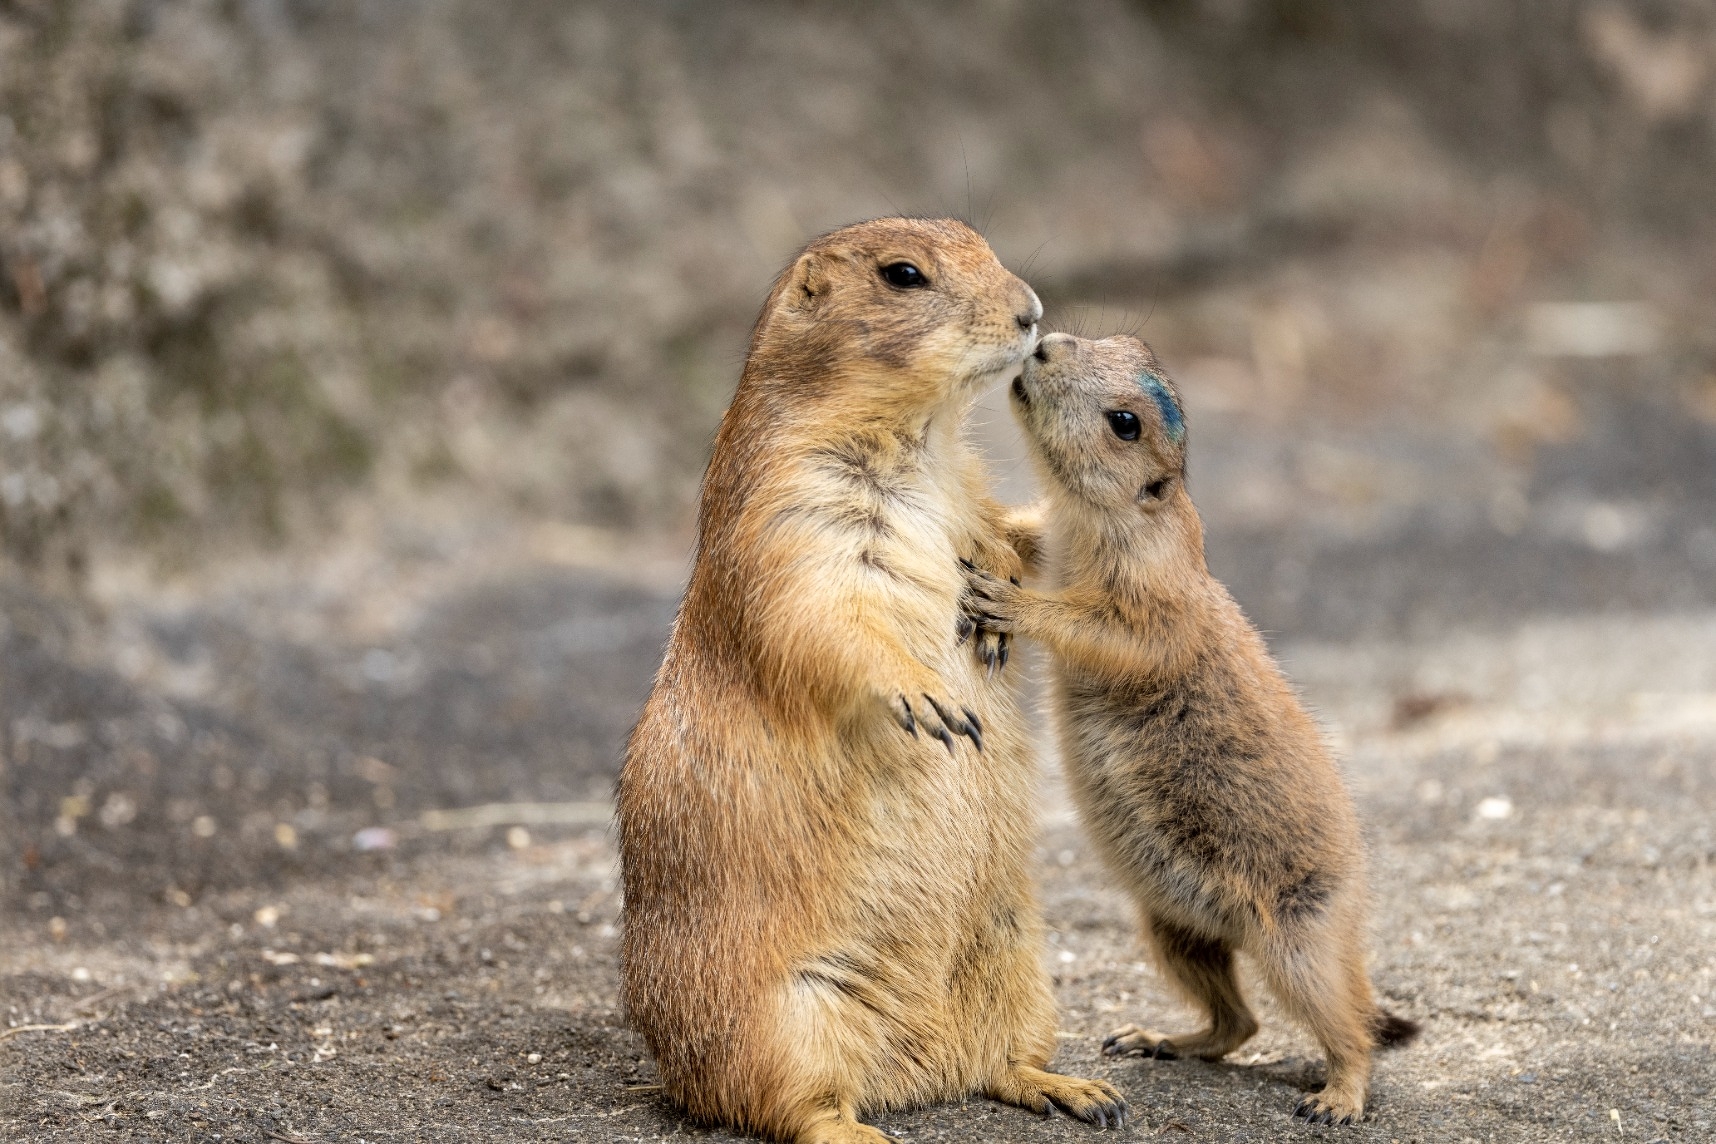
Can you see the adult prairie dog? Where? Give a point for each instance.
(825, 812)
(1203, 781)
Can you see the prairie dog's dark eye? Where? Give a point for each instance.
(1124, 424)
(904, 275)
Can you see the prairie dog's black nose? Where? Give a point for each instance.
(1032, 313)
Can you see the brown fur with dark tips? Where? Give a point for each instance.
(1199, 774)
(825, 813)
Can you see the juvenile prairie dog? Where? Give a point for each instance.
(1201, 778)
(825, 812)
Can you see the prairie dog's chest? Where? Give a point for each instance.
(903, 529)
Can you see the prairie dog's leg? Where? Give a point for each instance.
(1006, 994)
(823, 1047)
(1319, 977)
(1202, 968)
(1025, 1016)
(835, 1123)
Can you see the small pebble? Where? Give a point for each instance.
(374, 838)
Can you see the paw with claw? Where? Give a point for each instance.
(1329, 1107)
(1096, 1102)
(924, 714)
(991, 606)
(1130, 1040)
(994, 644)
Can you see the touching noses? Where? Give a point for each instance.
(1032, 312)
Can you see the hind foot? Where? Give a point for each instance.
(1092, 1101)
(1330, 1107)
(844, 1132)
(1209, 1045)
(1130, 1040)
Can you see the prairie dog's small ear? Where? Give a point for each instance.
(808, 283)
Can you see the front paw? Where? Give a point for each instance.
(993, 647)
(926, 714)
(991, 602)
(989, 610)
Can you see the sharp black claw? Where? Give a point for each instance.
(1005, 651)
(965, 628)
(908, 722)
(953, 726)
(971, 717)
(967, 565)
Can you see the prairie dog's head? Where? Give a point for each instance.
(1104, 423)
(919, 311)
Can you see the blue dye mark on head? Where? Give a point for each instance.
(1172, 419)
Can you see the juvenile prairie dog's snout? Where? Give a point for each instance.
(1050, 348)
(1053, 345)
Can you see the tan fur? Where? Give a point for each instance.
(828, 908)
(1195, 768)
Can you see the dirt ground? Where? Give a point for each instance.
(238, 907)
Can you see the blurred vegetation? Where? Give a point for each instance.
(259, 256)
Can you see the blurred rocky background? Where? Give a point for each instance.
(359, 359)
(262, 259)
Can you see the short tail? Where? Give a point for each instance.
(1389, 1030)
